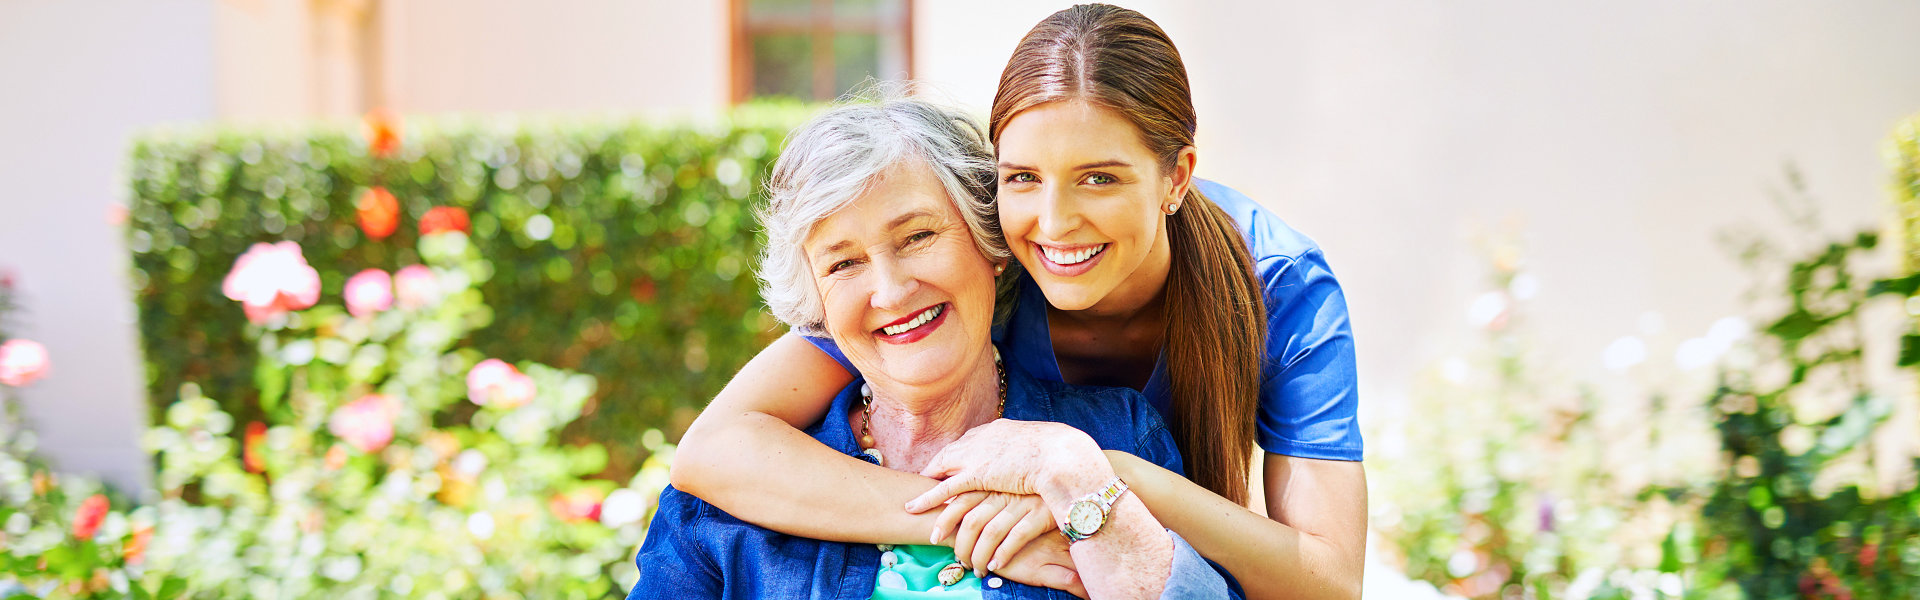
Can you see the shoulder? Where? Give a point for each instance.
(1270, 239)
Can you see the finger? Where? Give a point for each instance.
(969, 531)
(1036, 523)
(950, 516)
(941, 492)
(991, 536)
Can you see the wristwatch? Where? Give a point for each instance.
(1086, 515)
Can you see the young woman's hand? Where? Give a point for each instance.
(989, 528)
(1044, 562)
(1053, 460)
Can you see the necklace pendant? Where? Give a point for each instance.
(875, 453)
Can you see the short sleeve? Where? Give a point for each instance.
(826, 345)
(674, 565)
(1309, 400)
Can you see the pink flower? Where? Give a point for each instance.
(493, 381)
(22, 362)
(369, 292)
(272, 279)
(416, 286)
(366, 423)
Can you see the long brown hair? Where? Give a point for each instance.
(1215, 319)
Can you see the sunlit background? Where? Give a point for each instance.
(1618, 325)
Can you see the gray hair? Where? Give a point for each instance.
(834, 158)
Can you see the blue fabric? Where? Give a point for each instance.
(695, 550)
(1309, 394)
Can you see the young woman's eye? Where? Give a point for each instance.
(1021, 178)
(1101, 179)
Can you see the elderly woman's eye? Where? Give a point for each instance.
(836, 267)
(918, 236)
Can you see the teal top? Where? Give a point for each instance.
(913, 572)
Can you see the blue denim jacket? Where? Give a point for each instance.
(695, 550)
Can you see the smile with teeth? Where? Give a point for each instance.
(1062, 257)
(925, 315)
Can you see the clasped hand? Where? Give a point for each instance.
(1001, 486)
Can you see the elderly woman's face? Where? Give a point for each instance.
(908, 296)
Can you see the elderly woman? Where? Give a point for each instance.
(868, 245)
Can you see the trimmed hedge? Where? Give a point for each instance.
(622, 248)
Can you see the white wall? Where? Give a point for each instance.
(593, 55)
(1618, 139)
(81, 76)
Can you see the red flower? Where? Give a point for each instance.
(576, 506)
(379, 213)
(86, 521)
(441, 219)
(382, 131)
(136, 548)
(250, 450)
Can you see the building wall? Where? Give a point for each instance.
(83, 75)
(1615, 141)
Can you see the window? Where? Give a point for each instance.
(818, 49)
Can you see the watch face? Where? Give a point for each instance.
(1085, 517)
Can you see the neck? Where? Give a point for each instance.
(911, 425)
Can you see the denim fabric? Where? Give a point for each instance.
(695, 550)
(1309, 395)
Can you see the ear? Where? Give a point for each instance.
(1181, 176)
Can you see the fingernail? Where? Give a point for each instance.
(933, 539)
(993, 566)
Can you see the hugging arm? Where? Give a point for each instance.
(746, 455)
(1316, 536)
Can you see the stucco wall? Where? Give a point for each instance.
(82, 75)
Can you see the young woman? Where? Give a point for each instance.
(1138, 275)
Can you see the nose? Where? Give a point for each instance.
(897, 284)
(1059, 214)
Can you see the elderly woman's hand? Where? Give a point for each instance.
(1053, 460)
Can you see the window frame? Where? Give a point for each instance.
(820, 27)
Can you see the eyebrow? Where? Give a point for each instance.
(1092, 165)
(895, 223)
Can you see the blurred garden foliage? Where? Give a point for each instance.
(1512, 481)
(621, 248)
(387, 461)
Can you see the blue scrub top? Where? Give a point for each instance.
(1309, 394)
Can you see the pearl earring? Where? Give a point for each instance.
(1172, 207)
(998, 269)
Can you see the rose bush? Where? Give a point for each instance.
(390, 462)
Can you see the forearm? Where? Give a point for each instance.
(763, 471)
(1270, 559)
(1131, 554)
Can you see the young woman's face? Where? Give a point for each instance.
(1082, 203)
(908, 296)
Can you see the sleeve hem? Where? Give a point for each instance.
(1283, 446)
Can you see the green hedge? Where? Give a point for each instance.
(622, 248)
